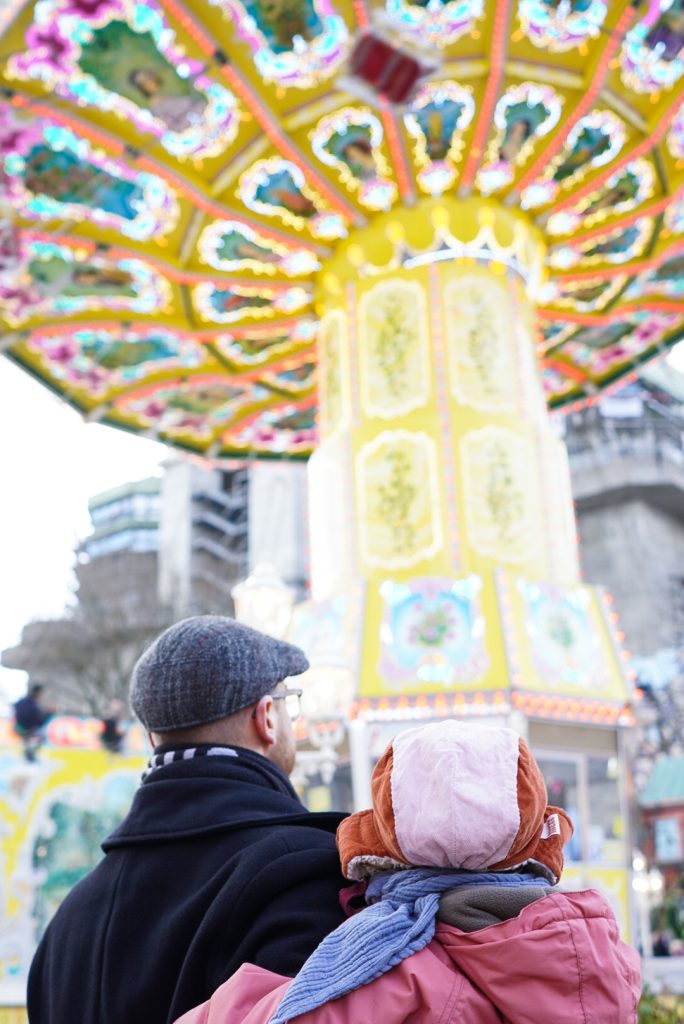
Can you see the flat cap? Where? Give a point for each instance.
(205, 668)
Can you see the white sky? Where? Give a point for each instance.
(51, 462)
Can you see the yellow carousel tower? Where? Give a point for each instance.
(445, 572)
(439, 480)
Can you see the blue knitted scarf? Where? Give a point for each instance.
(399, 921)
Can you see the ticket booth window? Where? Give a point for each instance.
(587, 788)
(562, 783)
(606, 825)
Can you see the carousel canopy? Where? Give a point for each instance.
(174, 178)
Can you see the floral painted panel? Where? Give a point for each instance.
(500, 500)
(123, 56)
(397, 479)
(333, 361)
(230, 245)
(99, 359)
(394, 348)
(652, 55)
(523, 115)
(480, 331)
(52, 173)
(350, 140)
(559, 25)
(56, 280)
(294, 43)
(433, 631)
(566, 648)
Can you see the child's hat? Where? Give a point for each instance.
(456, 795)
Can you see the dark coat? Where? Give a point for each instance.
(217, 864)
(28, 715)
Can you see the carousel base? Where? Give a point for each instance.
(440, 646)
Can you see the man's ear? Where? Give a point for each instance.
(265, 720)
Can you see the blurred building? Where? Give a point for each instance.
(203, 547)
(627, 463)
(125, 518)
(217, 523)
(662, 840)
(662, 804)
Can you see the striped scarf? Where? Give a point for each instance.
(184, 754)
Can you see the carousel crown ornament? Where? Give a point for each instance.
(388, 235)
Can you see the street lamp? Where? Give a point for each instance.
(264, 601)
(328, 694)
(647, 886)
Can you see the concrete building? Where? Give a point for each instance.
(627, 463)
(203, 536)
(124, 518)
(217, 524)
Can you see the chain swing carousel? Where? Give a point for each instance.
(389, 238)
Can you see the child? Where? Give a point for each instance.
(464, 923)
(29, 718)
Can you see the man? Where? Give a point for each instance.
(113, 732)
(217, 863)
(29, 719)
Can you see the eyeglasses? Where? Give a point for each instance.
(292, 700)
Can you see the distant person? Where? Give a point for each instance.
(465, 923)
(217, 863)
(112, 730)
(29, 718)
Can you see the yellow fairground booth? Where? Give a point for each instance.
(54, 813)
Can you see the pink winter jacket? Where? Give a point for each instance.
(560, 961)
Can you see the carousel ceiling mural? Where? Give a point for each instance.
(174, 177)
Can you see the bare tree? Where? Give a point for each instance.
(85, 659)
(660, 716)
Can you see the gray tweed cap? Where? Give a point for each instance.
(205, 668)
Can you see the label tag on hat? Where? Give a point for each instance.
(551, 827)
